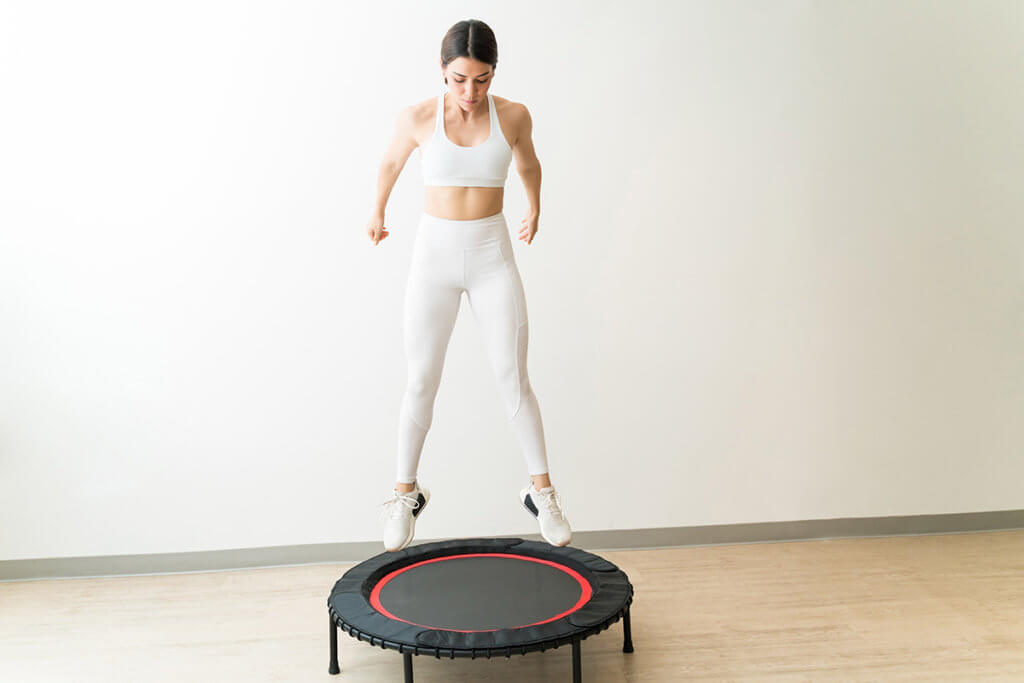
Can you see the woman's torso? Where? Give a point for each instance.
(456, 202)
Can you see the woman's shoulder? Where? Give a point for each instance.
(506, 105)
(514, 118)
(418, 118)
(423, 108)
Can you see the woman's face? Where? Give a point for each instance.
(468, 81)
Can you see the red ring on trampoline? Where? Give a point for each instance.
(586, 592)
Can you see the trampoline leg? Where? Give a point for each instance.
(333, 668)
(408, 667)
(627, 635)
(576, 675)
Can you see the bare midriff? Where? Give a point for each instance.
(463, 203)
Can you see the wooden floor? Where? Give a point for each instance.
(936, 608)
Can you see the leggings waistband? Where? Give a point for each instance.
(448, 232)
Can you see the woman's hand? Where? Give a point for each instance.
(529, 227)
(375, 229)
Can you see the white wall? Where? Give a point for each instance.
(778, 274)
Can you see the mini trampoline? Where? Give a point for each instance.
(479, 597)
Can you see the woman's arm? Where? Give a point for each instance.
(528, 167)
(527, 163)
(402, 144)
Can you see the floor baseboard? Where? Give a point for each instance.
(621, 539)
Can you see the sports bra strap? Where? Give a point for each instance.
(492, 113)
(438, 119)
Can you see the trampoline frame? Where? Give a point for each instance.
(361, 578)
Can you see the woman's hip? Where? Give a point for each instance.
(447, 233)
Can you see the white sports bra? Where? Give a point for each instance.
(483, 165)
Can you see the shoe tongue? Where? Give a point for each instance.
(546, 489)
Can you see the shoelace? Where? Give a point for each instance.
(393, 505)
(553, 504)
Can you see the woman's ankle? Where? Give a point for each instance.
(540, 481)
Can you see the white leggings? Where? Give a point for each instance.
(472, 256)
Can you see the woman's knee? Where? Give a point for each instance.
(422, 386)
(420, 392)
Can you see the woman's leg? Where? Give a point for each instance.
(496, 296)
(432, 296)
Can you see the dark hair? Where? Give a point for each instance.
(470, 38)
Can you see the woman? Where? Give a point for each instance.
(467, 139)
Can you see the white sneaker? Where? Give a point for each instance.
(400, 513)
(547, 507)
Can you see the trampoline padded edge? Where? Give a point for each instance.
(349, 600)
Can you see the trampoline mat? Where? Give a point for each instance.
(480, 592)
